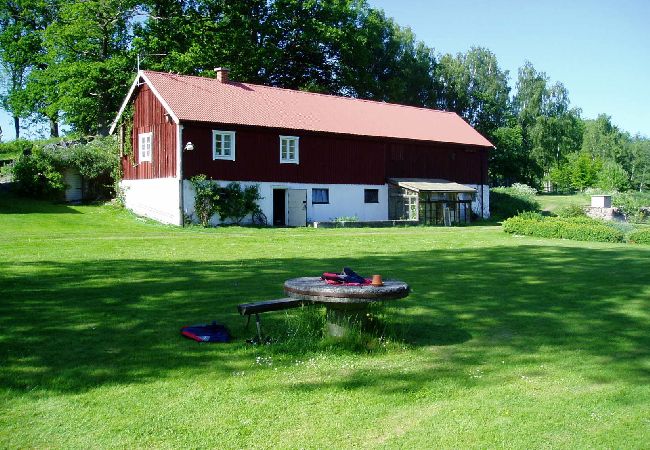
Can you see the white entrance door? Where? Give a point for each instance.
(296, 207)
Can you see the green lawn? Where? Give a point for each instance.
(504, 342)
(553, 202)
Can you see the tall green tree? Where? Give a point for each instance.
(474, 86)
(22, 23)
(604, 140)
(383, 61)
(88, 64)
(640, 169)
(551, 129)
(509, 161)
(304, 43)
(195, 36)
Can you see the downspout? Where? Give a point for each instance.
(179, 172)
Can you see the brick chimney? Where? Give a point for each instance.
(222, 74)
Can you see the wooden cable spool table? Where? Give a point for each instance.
(345, 306)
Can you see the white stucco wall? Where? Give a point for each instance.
(345, 200)
(476, 203)
(156, 198)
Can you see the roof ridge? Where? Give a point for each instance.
(309, 93)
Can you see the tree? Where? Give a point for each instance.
(382, 61)
(640, 170)
(602, 139)
(474, 86)
(584, 170)
(612, 177)
(194, 36)
(551, 130)
(303, 44)
(21, 25)
(509, 161)
(580, 172)
(87, 67)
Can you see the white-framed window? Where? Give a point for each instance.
(145, 141)
(289, 149)
(223, 145)
(320, 196)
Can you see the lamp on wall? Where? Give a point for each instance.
(189, 147)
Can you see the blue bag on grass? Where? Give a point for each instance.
(214, 332)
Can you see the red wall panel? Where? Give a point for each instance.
(423, 160)
(329, 158)
(149, 116)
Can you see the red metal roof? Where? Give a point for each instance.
(207, 100)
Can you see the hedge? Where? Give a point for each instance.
(578, 229)
(509, 201)
(640, 236)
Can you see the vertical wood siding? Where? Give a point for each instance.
(451, 162)
(329, 158)
(149, 116)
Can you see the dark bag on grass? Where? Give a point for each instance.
(214, 332)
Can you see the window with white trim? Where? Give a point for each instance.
(223, 145)
(289, 149)
(144, 147)
(320, 196)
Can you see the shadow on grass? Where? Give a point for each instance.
(76, 325)
(14, 204)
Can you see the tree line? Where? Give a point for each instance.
(67, 61)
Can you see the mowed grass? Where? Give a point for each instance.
(504, 342)
(553, 202)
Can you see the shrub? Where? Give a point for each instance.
(640, 236)
(579, 229)
(38, 172)
(236, 203)
(206, 196)
(523, 190)
(634, 205)
(13, 149)
(571, 211)
(97, 160)
(509, 201)
(229, 202)
(38, 175)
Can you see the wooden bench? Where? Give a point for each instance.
(246, 309)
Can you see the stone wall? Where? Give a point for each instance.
(604, 213)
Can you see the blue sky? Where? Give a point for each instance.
(600, 50)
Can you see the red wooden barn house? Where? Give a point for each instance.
(314, 157)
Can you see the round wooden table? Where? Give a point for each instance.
(345, 305)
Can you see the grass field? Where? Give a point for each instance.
(504, 342)
(553, 202)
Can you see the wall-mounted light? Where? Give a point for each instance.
(189, 147)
